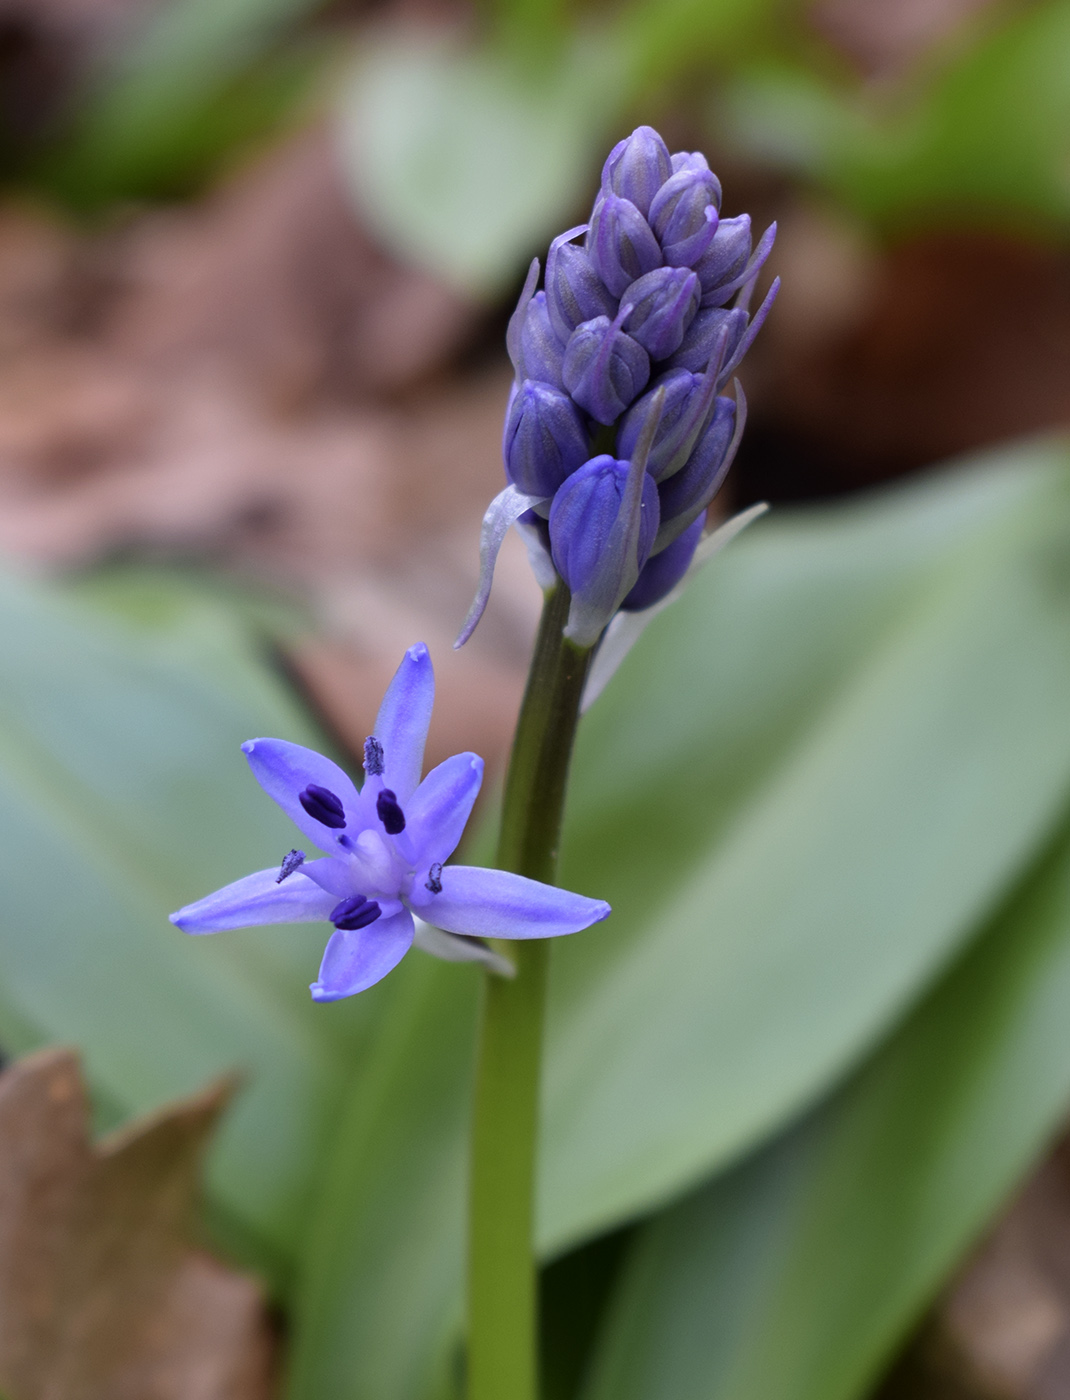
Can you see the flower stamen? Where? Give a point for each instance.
(323, 806)
(355, 912)
(290, 863)
(389, 812)
(373, 757)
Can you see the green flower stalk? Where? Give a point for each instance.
(629, 344)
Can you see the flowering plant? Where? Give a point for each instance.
(616, 441)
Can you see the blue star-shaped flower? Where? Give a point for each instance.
(385, 852)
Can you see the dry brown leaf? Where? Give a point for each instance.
(102, 1295)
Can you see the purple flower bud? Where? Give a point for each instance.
(663, 304)
(602, 525)
(662, 572)
(684, 215)
(693, 487)
(574, 291)
(637, 167)
(724, 260)
(545, 438)
(686, 406)
(604, 368)
(703, 334)
(620, 243)
(695, 161)
(541, 349)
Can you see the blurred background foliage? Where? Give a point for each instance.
(255, 261)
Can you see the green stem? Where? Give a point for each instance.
(502, 1331)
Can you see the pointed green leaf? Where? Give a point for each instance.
(796, 1273)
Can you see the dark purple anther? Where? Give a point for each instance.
(620, 243)
(574, 291)
(725, 260)
(355, 912)
(322, 806)
(541, 347)
(389, 813)
(434, 878)
(545, 438)
(637, 167)
(663, 305)
(684, 215)
(703, 336)
(605, 369)
(291, 862)
(373, 757)
(662, 572)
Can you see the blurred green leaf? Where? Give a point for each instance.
(845, 742)
(198, 78)
(379, 1301)
(123, 794)
(466, 161)
(796, 1273)
(811, 781)
(986, 136)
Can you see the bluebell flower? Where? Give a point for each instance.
(385, 852)
(619, 362)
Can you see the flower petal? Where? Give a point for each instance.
(453, 947)
(404, 716)
(257, 899)
(497, 904)
(440, 807)
(284, 770)
(335, 874)
(357, 959)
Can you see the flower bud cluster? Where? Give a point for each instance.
(617, 435)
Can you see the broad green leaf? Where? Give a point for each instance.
(794, 847)
(796, 1273)
(123, 794)
(858, 705)
(467, 161)
(380, 1295)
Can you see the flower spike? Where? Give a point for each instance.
(655, 300)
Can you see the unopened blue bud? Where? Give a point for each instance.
(637, 167)
(620, 243)
(662, 572)
(602, 525)
(545, 438)
(574, 291)
(684, 215)
(679, 422)
(693, 487)
(695, 160)
(541, 348)
(663, 304)
(703, 335)
(604, 368)
(725, 259)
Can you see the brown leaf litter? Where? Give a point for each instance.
(102, 1294)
